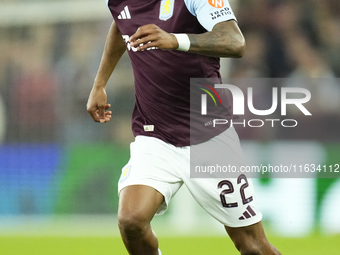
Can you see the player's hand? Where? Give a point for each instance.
(149, 36)
(97, 106)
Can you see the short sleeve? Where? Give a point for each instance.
(210, 12)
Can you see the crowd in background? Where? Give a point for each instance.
(287, 38)
(47, 71)
(298, 41)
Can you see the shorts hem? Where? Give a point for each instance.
(245, 223)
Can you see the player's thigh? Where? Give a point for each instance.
(241, 234)
(151, 165)
(138, 203)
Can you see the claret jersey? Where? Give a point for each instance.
(162, 77)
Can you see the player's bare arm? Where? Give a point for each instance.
(97, 103)
(225, 40)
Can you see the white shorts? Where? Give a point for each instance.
(165, 168)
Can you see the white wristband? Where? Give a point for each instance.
(183, 42)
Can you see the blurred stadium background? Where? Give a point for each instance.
(59, 170)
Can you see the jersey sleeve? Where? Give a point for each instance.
(210, 12)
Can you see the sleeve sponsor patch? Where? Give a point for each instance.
(226, 11)
(216, 3)
(210, 12)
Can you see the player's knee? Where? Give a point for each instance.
(132, 225)
(248, 246)
(257, 248)
(251, 250)
(274, 250)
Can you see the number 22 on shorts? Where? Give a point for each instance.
(230, 189)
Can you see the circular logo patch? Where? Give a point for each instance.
(216, 3)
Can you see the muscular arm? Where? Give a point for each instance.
(225, 40)
(113, 50)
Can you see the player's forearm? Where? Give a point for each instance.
(113, 50)
(225, 40)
